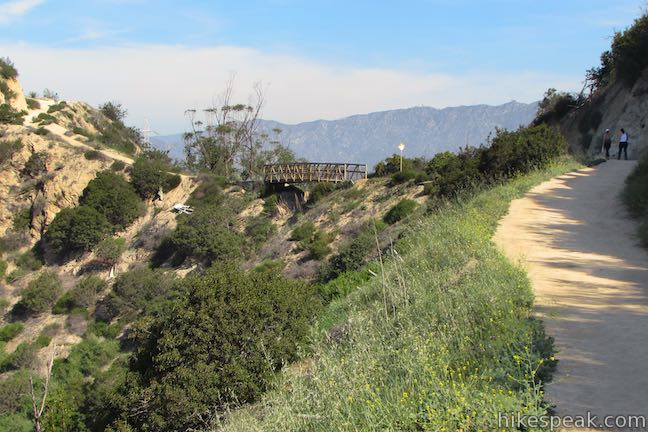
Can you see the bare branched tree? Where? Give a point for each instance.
(38, 409)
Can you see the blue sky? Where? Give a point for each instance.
(318, 59)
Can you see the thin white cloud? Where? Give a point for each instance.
(16, 8)
(159, 82)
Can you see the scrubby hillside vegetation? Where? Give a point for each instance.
(615, 95)
(379, 304)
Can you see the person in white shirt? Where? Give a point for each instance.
(623, 144)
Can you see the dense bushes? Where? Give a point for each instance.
(35, 165)
(150, 175)
(234, 331)
(82, 295)
(40, 294)
(108, 203)
(10, 331)
(404, 208)
(207, 235)
(112, 196)
(75, 230)
(628, 51)
(635, 196)
(10, 116)
(135, 291)
(109, 251)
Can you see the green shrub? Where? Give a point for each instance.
(10, 116)
(109, 250)
(114, 111)
(28, 261)
(554, 106)
(45, 119)
(270, 205)
(112, 196)
(83, 295)
(118, 165)
(635, 192)
(23, 357)
(259, 229)
(207, 235)
(319, 191)
(150, 175)
(353, 254)
(628, 51)
(400, 211)
(3, 268)
(403, 176)
(35, 165)
(10, 331)
(22, 220)
(209, 191)
(81, 131)
(41, 131)
(235, 331)
(93, 155)
(135, 291)
(16, 275)
(33, 104)
(40, 294)
(392, 165)
(318, 249)
(8, 149)
(75, 230)
(57, 107)
(343, 285)
(272, 266)
(7, 69)
(42, 341)
(303, 232)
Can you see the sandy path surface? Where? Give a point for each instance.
(590, 277)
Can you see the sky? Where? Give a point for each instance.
(315, 59)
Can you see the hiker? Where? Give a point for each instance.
(623, 144)
(607, 143)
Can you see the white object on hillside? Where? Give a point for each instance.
(182, 208)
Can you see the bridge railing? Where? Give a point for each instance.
(304, 172)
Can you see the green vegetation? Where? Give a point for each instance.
(319, 191)
(109, 250)
(635, 196)
(57, 107)
(28, 261)
(10, 331)
(10, 116)
(150, 174)
(41, 131)
(441, 341)
(7, 68)
(109, 203)
(75, 230)
(93, 155)
(33, 104)
(40, 294)
(82, 295)
(404, 208)
(44, 119)
(112, 196)
(259, 229)
(8, 149)
(267, 315)
(134, 292)
(118, 166)
(3, 268)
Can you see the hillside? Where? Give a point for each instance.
(367, 138)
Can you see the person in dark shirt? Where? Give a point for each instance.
(607, 143)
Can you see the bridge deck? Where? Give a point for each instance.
(304, 172)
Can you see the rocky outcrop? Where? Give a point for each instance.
(17, 101)
(617, 106)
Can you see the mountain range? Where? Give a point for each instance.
(369, 138)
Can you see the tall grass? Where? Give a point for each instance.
(441, 340)
(635, 196)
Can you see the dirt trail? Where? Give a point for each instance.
(590, 278)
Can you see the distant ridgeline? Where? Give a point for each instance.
(368, 138)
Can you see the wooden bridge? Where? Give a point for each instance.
(305, 172)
